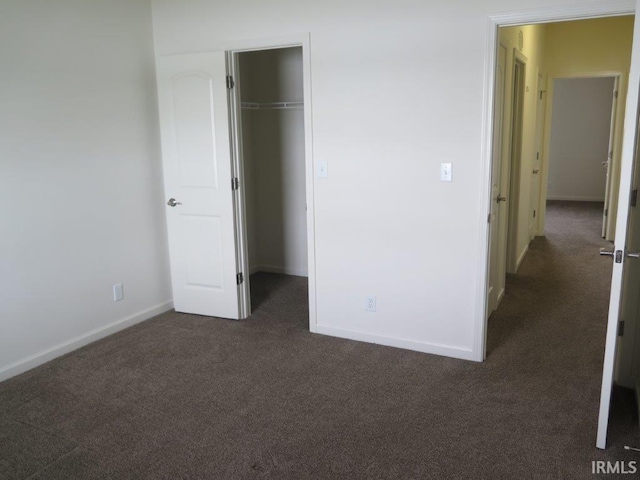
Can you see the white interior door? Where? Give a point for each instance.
(626, 371)
(496, 278)
(194, 126)
(515, 162)
(625, 288)
(626, 237)
(607, 164)
(534, 213)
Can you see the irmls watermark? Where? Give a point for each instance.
(619, 467)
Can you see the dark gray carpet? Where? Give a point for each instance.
(183, 396)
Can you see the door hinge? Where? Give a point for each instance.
(534, 214)
(615, 94)
(618, 256)
(489, 217)
(621, 328)
(606, 212)
(230, 82)
(239, 279)
(235, 183)
(537, 155)
(634, 197)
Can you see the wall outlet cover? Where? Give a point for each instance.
(118, 292)
(371, 303)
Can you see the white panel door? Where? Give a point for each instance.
(627, 231)
(534, 213)
(623, 306)
(496, 277)
(194, 125)
(607, 164)
(627, 372)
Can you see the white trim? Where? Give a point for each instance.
(575, 199)
(296, 40)
(516, 127)
(586, 74)
(265, 43)
(424, 347)
(239, 198)
(621, 78)
(611, 8)
(45, 356)
(521, 257)
(484, 254)
(500, 296)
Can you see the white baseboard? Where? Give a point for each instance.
(38, 359)
(575, 199)
(500, 297)
(282, 270)
(521, 257)
(424, 347)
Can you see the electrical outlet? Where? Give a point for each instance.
(118, 292)
(370, 303)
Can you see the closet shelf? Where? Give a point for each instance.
(271, 106)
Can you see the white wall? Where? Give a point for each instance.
(579, 142)
(274, 162)
(397, 88)
(80, 176)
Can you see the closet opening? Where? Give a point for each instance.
(272, 215)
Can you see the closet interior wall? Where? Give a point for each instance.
(273, 156)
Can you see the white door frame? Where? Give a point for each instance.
(514, 161)
(525, 17)
(537, 172)
(618, 121)
(497, 258)
(299, 40)
(613, 161)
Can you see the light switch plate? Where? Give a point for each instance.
(323, 169)
(446, 173)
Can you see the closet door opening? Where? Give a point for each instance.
(272, 158)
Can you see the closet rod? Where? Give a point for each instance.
(271, 106)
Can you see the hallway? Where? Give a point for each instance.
(560, 292)
(552, 321)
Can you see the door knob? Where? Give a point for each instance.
(172, 202)
(536, 171)
(616, 254)
(632, 255)
(500, 198)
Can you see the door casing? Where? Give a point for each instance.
(614, 168)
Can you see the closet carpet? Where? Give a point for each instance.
(184, 396)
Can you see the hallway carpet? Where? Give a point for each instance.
(185, 396)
